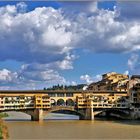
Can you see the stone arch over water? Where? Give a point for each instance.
(17, 115)
(67, 111)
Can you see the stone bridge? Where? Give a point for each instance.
(85, 104)
(84, 114)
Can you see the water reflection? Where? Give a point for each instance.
(74, 129)
(19, 116)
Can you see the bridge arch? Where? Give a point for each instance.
(119, 113)
(70, 102)
(65, 110)
(19, 114)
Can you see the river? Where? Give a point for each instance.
(73, 129)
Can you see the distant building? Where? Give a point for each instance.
(111, 81)
(134, 90)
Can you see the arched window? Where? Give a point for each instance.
(53, 102)
(70, 102)
(60, 102)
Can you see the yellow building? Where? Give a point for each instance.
(111, 81)
(103, 100)
(134, 90)
(42, 101)
(30, 100)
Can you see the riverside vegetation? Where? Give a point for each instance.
(3, 127)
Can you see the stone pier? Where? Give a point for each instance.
(37, 115)
(89, 114)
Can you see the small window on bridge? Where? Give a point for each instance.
(51, 94)
(22, 97)
(134, 95)
(60, 94)
(118, 105)
(69, 94)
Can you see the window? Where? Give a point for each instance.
(52, 94)
(60, 94)
(45, 97)
(38, 101)
(134, 95)
(69, 94)
(118, 105)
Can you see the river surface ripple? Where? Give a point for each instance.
(74, 129)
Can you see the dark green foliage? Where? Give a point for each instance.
(1, 133)
(2, 115)
(66, 87)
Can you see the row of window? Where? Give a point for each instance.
(60, 94)
(101, 105)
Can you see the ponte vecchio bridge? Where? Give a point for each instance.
(85, 104)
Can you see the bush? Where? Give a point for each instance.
(2, 115)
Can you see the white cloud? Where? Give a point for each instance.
(66, 63)
(93, 6)
(46, 34)
(49, 34)
(7, 76)
(46, 39)
(21, 7)
(88, 79)
(132, 61)
(40, 38)
(56, 37)
(38, 73)
(126, 72)
(29, 79)
(104, 33)
(98, 77)
(5, 87)
(41, 35)
(73, 83)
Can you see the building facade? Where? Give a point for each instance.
(111, 81)
(46, 99)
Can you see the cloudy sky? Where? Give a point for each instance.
(46, 43)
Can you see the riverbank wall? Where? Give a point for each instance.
(3, 127)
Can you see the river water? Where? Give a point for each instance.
(73, 129)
